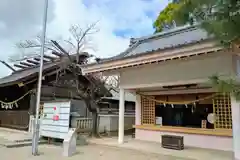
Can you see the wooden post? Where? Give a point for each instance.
(236, 127)
(138, 110)
(121, 116)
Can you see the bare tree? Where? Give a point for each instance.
(112, 80)
(91, 90)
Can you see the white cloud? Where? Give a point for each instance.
(113, 16)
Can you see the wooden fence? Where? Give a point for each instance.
(14, 119)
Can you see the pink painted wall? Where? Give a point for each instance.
(193, 140)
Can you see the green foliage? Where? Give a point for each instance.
(220, 18)
(165, 17)
(225, 86)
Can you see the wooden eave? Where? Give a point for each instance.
(155, 57)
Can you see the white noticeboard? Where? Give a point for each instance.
(55, 119)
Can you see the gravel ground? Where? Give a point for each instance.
(89, 152)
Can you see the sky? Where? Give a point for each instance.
(118, 20)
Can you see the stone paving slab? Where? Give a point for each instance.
(14, 138)
(88, 152)
(152, 147)
(14, 135)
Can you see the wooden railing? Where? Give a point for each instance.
(14, 119)
(84, 124)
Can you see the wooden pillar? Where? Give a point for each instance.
(121, 116)
(236, 127)
(32, 108)
(138, 110)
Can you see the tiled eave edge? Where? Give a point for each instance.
(155, 57)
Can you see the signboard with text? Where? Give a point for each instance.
(55, 120)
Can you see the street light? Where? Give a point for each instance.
(37, 124)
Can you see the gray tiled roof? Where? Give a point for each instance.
(32, 71)
(169, 40)
(19, 75)
(176, 37)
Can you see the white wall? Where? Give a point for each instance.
(197, 67)
(109, 123)
(192, 140)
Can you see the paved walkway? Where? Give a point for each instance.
(8, 136)
(151, 147)
(14, 135)
(107, 149)
(89, 152)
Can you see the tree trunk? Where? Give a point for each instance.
(95, 124)
(92, 108)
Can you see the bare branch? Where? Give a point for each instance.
(81, 37)
(62, 50)
(69, 42)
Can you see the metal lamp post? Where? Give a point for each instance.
(37, 124)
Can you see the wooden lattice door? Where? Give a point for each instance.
(148, 110)
(223, 111)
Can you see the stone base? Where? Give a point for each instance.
(69, 143)
(81, 140)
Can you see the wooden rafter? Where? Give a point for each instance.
(7, 65)
(27, 64)
(38, 59)
(57, 54)
(20, 66)
(32, 61)
(49, 57)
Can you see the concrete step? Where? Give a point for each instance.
(23, 140)
(22, 144)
